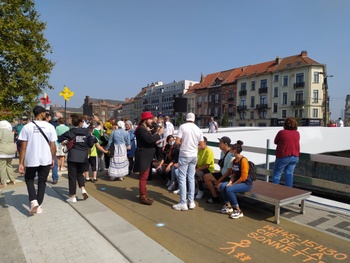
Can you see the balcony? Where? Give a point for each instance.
(261, 106)
(298, 103)
(230, 114)
(231, 99)
(241, 107)
(242, 93)
(199, 103)
(299, 85)
(263, 90)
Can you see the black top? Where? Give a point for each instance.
(83, 140)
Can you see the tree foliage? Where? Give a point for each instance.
(24, 69)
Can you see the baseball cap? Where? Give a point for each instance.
(24, 117)
(225, 139)
(37, 110)
(190, 117)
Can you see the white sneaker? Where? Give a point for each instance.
(168, 183)
(177, 192)
(192, 205)
(171, 186)
(120, 179)
(84, 193)
(33, 207)
(39, 210)
(199, 194)
(180, 207)
(71, 200)
(236, 214)
(226, 209)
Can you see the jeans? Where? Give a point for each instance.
(43, 173)
(286, 165)
(55, 170)
(228, 193)
(174, 174)
(187, 166)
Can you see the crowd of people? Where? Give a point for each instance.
(149, 148)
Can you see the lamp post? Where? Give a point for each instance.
(326, 98)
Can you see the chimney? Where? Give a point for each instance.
(304, 53)
(277, 60)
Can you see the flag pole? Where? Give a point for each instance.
(65, 110)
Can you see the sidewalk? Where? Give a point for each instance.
(83, 232)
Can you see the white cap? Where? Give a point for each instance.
(190, 117)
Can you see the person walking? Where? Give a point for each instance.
(7, 153)
(77, 158)
(37, 154)
(145, 150)
(61, 149)
(287, 152)
(213, 125)
(189, 136)
(119, 164)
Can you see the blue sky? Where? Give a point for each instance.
(112, 48)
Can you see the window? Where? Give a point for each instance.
(284, 114)
(230, 94)
(199, 99)
(262, 114)
(253, 85)
(263, 83)
(275, 107)
(209, 98)
(243, 86)
(252, 101)
(263, 100)
(316, 77)
(252, 115)
(216, 98)
(298, 113)
(315, 96)
(285, 81)
(243, 102)
(299, 96)
(216, 111)
(223, 95)
(284, 98)
(314, 113)
(275, 92)
(299, 78)
(205, 98)
(275, 78)
(242, 115)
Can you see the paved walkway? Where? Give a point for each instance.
(82, 232)
(88, 231)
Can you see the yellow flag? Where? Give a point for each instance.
(66, 93)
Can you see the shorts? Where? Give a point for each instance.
(199, 174)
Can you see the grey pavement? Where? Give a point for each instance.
(86, 231)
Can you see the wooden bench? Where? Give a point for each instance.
(277, 195)
(274, 194)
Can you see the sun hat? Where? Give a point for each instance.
(146, 115)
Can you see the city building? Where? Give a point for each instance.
(347, 111)
(265, 94)
(103, 107)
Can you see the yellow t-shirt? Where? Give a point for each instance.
(206, 156)
(93, 151)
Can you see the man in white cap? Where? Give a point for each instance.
(189, 136)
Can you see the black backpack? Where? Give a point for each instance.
(252, 170)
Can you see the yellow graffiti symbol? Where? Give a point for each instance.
(243, 244)
(242, 257)
(66, 93)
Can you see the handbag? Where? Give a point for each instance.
(69, 145)
(111, 150)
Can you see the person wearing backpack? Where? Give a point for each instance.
(239, 182)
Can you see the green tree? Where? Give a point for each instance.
(24, 69)
(224, 121)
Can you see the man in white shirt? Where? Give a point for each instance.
(340, 123)
(213, 126)
(169, 130)
(189, 137)
(38, 151)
